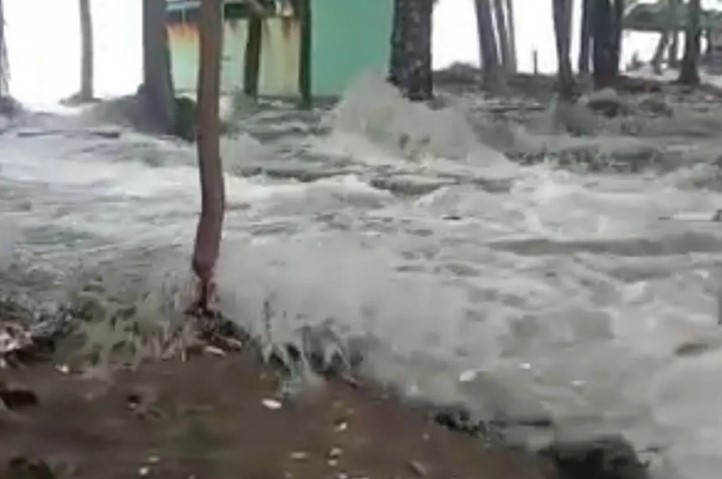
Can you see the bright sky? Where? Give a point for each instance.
(44, 38)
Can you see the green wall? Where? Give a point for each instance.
(349, 36)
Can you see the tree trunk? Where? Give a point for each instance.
(157, 89)
(562, 30)
(4, 64)
(252, 65)
(606, 34)
(210, 223)
(689, 72)
(491, 69)
(585, 37)
(659, 52)
(673, 54)
(86, 57)
(501, 29)
(410, 63)
(512, 35)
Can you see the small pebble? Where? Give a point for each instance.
(271, 404)
(299, 455)
(419, 468)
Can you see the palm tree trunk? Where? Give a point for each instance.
(86, 57)
(562, 29)
(585, 37)
(512, 35)
(4, 64)
(606, 35)
(157, 90)
(410, 62)
(493, 75)
(504, 46)
(689, 71)
(210, 223)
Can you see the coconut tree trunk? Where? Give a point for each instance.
(410, 63)
(504, 46)
(562, 29)
(86, 57)
(4, 64)
(488, 49)
(689, 71)
(512, 35)
(157, 90)
(210, 223)
(585, 37)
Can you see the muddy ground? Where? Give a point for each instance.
(225, 417)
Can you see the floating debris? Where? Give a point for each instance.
(272, 404)
(214, 351)
(340, 426)
(63, 368)
(467, 376)
(335, 453)
(143, 471)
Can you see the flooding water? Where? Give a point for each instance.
(523, 292)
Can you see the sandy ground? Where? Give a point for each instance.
(224, 417)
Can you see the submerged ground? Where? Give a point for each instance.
(556, 287)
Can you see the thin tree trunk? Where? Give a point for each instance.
(562, 29)
(585, 37)
(512, 35)
(501, 29)
(253, 56)
(86, 57)
(410, 63)
(689, 71)
(491, 69)
(157, 90)
(673, 53)
(606, 44)
(210, 223)
(4, 64)
(659, 52)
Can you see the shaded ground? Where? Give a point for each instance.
(206, 418)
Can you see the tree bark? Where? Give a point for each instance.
(410, 63)
(512, 35)
(673, 53)
(562, 29)
(488, 49)
(689, 71)
(606, 35)
(86, 56)
(659, 52)
(157, 89)
(501, 29)
(4, 64)
(210, 223)
(585, 37)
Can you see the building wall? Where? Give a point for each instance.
(348, 37)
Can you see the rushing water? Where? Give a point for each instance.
(524, 292)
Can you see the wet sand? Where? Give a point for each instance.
(225, 417)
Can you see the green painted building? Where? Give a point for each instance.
(285, 48)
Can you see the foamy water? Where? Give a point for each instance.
(523, 292)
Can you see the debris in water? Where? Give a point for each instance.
(467, 376)
(335, 453)
(63, 368)
(272, 404)
(153, 460)
(332, 463)
(143, 471)
(16, 398)
(341, 426)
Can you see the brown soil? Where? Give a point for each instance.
(206, 418)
